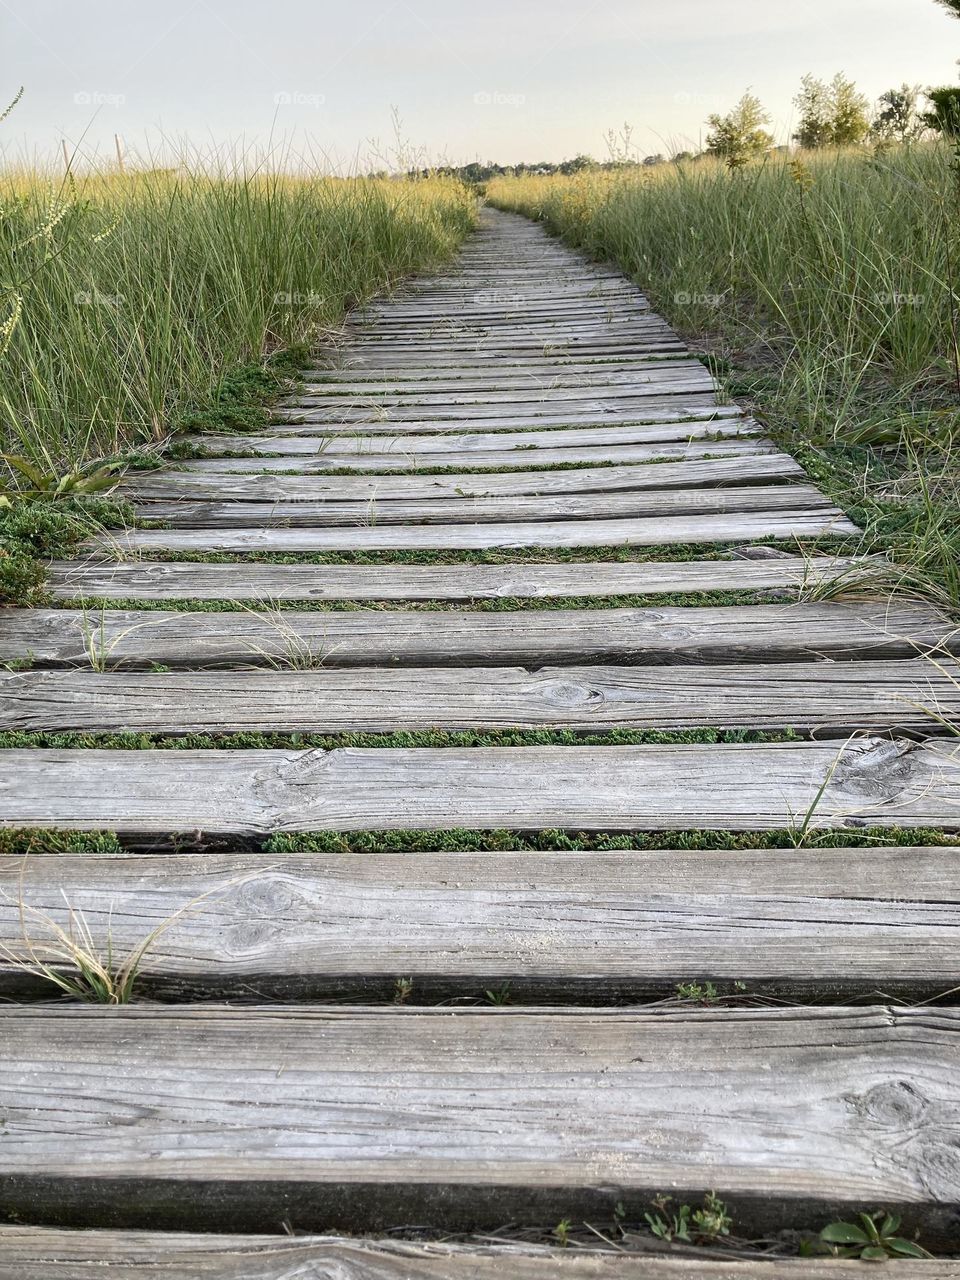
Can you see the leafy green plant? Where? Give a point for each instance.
(875, 1239)
(402, 990)
(499, 995)
(51, 485)
(702, 992)
(561, 1232)
(21, 577)
(710, 1221)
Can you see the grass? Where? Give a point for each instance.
(34, 841)
(662, 553)
(504, 604)
(130, 302)
(71, 740)
(134, 306)
(823, 289)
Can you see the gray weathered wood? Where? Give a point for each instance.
(662, 376)
(809, 785)
(298, 441)
(500, 378)
(38, 1253)
(489, 460)
(659, 423)
(466, 510)
(830, 698)
(641, 532)
(695, 474)
(598, 928)
(166, 580)
(361, 1119)
(683, 403)
(356, 637)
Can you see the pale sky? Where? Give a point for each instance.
(508, 80)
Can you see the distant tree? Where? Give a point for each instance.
(813, 103)
(944, 113)
(577, 164)
(650, 161)
(739, 136)
(897, 118)
(681, 156)
(952, 6)
(831, 115)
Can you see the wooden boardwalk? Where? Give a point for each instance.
(534, 528)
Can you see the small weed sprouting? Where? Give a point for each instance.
(499, 995)
(709, 1222)
(402, 990)
(874, 1239)
(702, 993)
(561, 1232)
(676, 1226)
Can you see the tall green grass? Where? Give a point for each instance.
(825, 288)
(125, 299)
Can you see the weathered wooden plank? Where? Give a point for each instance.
(464, 510)
(680, 400)
(701, 421)
(546, 380)
(598, 928)
(417, 444)
(361, 1119)
(752, 787)
(490, 460)
(695, 474)
(657, 636)
(827, 697)
(409, 403)
(163, 580)
(44, 1253)
(355, 360)
(641, 532)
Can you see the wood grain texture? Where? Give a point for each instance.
(361, 1118)
(158, 580)
(447, 510)
(141, 794)
(595, 928)
(315, 439)
(546, 379)
(39, 1253)
(829, 698)
(488, 460)
(641, 532)
(762, 468)
(664, 636)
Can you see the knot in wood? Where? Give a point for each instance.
(568, 693)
